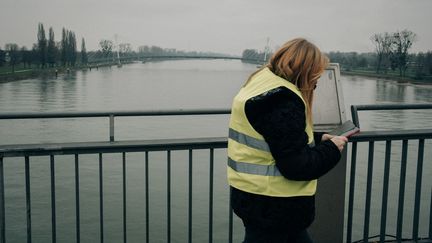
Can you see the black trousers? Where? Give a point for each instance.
(260, 235)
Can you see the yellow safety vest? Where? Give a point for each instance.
(251, 166)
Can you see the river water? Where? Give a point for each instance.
(191, 84)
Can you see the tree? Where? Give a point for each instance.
(250, 54)
(156, 51)
(13, 50)
(84, 57)
(34, 54)
(428, 62)
(143, 50)
(72, 48)
(382, 42)
(125, 49)
(106, 47)
(402, 42)
(2, 58)
(51, 50)
(25, 56)
(42, 45)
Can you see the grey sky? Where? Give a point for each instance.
(227, 26)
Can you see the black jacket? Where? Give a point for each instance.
(279, 116)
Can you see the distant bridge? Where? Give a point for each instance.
(190, 57)
(172, 57)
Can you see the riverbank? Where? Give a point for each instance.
(388, 77)
(48, 72)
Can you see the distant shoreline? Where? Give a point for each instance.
(37, 72)
(50, 72)
(387, 77)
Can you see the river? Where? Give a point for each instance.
(187, 84)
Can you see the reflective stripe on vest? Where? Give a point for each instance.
(248, 140)
(254, 169)
(253, 142)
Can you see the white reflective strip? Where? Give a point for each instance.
(253, 142)
(254, 169)
(248, 140)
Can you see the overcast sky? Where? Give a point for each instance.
(225, 26)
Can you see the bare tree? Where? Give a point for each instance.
(402, 42)
(382, 42)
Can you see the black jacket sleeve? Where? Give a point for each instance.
(318, 136)
(279, 116)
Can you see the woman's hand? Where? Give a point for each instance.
(326, 136)
(339, 141)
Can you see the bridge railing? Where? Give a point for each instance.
(124, 148)
(191, 146)
(418, 139)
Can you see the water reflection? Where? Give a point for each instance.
(388, 91)
(423, 93)
(171, 85)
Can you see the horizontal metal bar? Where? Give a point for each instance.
(112, 147)
(32, 115)
(393, 107)
(176, 144)
(366, 136)
(356, 108)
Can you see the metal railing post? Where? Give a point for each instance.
(28, 199)
(368, 192)
(418, 189)
(2, 204)
(53, 201)
(385, 191)
(111, 128)
(402, 190)
(101, 217)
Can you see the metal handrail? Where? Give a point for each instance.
(111, 147)
(111, 115)
(356, 108)
(181, 112)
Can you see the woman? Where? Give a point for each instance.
(274, 157)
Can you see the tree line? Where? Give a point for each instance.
(418, 65)
(391, 55)
(46, 52)
(125, 50)
(254, 56)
